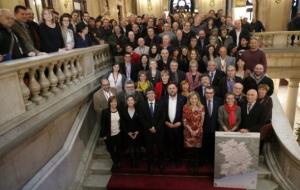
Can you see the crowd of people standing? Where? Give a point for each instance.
(175, 81)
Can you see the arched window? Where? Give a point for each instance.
(181, 6)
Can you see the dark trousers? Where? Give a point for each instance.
(174, 142)
(208, 147)
(113, 146)
(155, 148)
(133, 148)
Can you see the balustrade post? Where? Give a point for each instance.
(74, 72)
(25, 91)
(35, 87)
(67, 73)
(60, 76)
(79, 68)
(53, 79)
(44, 83)
(292, 100)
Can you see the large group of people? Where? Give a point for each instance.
(175, 81)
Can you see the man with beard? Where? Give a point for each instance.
(129, 90)
(256, 78)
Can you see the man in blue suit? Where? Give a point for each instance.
(210, 125)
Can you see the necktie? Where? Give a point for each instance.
(211, 76)
(151, 109)
(249, 108)
(209, 107)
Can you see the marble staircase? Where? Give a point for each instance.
(99, 172)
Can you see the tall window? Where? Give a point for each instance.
(181, 6)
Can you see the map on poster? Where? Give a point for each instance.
(236, 159)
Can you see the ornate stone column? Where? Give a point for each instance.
(292, 100)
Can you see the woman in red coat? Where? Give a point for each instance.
(161, 86)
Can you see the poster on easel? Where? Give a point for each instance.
(236, 160)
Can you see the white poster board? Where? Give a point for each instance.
(236, 159)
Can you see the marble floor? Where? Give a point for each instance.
(282, 95)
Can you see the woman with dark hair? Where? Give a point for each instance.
(210, 54)
(210, 26)
(50, 33)
(240, 68)
(175, 54)
(183, 60)
(67, 33)
(154, 53)
(185, 88)
(116, 78)
(131, 123)
(111, 130)
(144, 62)
(229, 114)
(82, 38)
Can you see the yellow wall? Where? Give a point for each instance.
(268, 10)
(155, 9)
(10, 4)
(204, 6)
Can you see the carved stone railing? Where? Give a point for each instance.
(29, 83)
(279, 39)
(283, 154)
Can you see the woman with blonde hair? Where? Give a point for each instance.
(193, 118)
(143, 83)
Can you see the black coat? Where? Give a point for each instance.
(134, 71)
(6, 40)
(181, 76)
(157, 121)
(244, 33)
(181, 100)
(255, 119)
(211, 122)
(250, 83)
(222, 90)
(131, 124)
(218, 76)
(105, 130)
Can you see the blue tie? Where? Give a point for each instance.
(151, 109)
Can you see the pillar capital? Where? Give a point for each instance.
(294, 83)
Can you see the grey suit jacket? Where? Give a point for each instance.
(100, 101)
(229, 61)
(223, 118)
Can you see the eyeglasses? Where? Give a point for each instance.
(208, 92)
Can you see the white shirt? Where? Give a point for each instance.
(172, 108)
(115, 124)
(223, 64)
(115, 82)
(107, 94)
(238, 38)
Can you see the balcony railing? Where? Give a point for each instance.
(31, 82)
(279, 39)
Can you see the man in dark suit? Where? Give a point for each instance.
(256, 78)
(173, 105)
(238, 32)
(226, 84)
(205, 82)
(240, 97)
(129, 69)
(153, 123)
(129, 90)
(202, 42)
(214, 74)
(176, 76)
(252, 113)
(210, 125)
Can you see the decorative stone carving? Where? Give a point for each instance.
(79, 68)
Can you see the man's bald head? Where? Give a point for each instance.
(6, 18)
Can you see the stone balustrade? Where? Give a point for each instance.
(31, 82)
(279, 39)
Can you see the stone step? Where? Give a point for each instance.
(101, 152)
(101, 166)
(264, 173)
(96, 182)
(266, 184)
